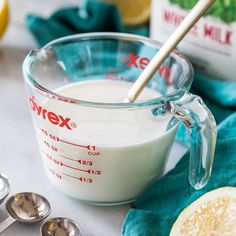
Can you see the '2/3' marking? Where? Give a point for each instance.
(89, 171)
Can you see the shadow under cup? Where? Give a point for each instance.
(117, 168)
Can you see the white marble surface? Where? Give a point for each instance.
(19, 156)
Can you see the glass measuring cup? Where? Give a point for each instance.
(108, 152)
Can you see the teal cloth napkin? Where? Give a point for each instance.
(157, 208)
(219, 96)
(92, 16)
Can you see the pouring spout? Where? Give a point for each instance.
(42, 54)
(34, 52)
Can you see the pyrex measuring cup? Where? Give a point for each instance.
(108, 152)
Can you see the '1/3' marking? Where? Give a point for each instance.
(81, 179)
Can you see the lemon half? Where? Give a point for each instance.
(3, 16)
(213, 214)
(133, 12)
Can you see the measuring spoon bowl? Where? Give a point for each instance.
(4, 187)
(60, 227)
(26, 208)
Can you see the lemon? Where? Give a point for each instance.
(3, 16)
(133, 12)
(213, 214)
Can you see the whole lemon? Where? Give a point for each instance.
(3, 16)
(133, 12)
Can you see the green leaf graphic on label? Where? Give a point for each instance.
(221, 9)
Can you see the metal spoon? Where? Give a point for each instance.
(60, 227)
(26, 208)
(4, 187)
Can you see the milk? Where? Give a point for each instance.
(101, 155)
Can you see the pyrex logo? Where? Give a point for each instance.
(141, 63)
(52, 117)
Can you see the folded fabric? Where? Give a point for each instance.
(99, 17)
(219, 96)
(158, 207)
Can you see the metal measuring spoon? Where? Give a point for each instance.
(26, 208)
(60, 227)
(4, 187)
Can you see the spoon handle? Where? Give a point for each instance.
(6, 223)
(197, 11)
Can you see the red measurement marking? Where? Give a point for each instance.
(88, 171)
(94, 153)
(55, 173)
(53, 148)
(83, 162)
(77, 145)
(55, 138)
(118, 77)
(71, 159)
(62, 164)
(82, 179)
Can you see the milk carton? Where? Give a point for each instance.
(211, 44)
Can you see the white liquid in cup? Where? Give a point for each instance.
(105, 156)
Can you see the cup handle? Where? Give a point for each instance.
(201, 126)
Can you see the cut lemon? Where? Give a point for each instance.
(133, 12)
(213, 214)
(3, 16)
